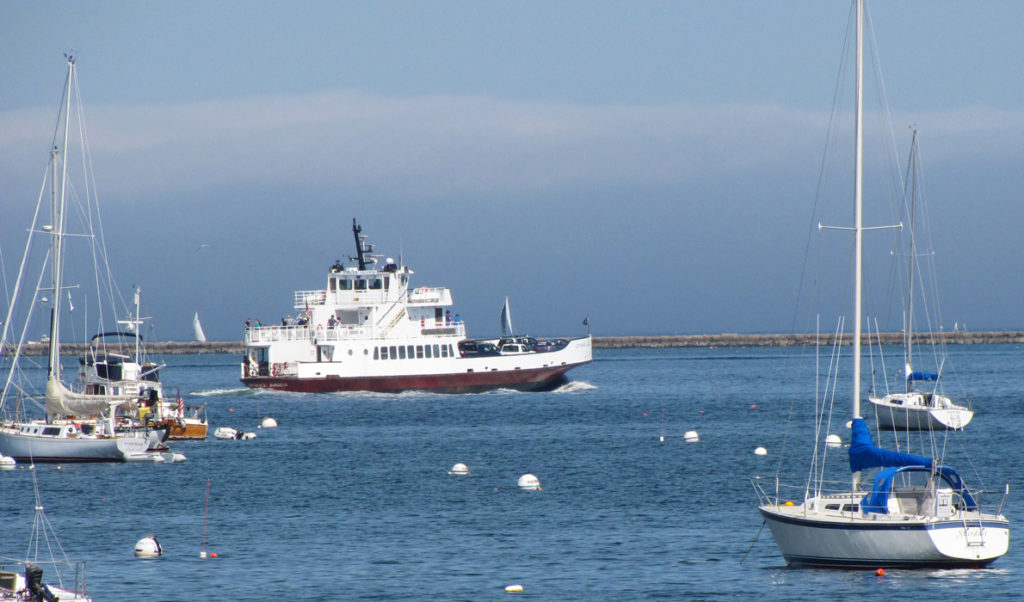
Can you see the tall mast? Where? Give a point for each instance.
(57, 244)
(858, 209)
(912, 181)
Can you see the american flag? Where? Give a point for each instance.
(181, 406)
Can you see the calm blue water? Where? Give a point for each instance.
(350, 497)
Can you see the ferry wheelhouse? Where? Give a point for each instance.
(369, 331)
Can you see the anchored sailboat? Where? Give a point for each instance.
(80, 424)
(915, 409)
(917, 513)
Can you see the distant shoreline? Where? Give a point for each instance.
(632, 342)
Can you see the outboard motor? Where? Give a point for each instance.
(36, 587)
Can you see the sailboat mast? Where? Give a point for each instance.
(858, 233)
(912, 180)
(57, 245)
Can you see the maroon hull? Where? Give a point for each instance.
(540, 379)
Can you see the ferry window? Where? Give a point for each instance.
(401, 352)
(387, 281)
(410, 349)
(345, 284)
(334, 285)
(394, 355)
(444, 350)
(361, 284)
(436, 350)
(428, 351)
(451, 352)
(383, 353)
(376, 353)
(419, 351)
(375, 284)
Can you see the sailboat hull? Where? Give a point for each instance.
(897, 412)
(29, 448)
(877, 541)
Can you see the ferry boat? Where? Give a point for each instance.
(369, 331)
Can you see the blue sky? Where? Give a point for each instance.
(651, 164)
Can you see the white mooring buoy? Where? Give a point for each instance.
(833, 441)
(7, 462)
(514, 589)
(268, 423)
(529, 482)
(148, 547)
(760, 452)
(691, 437)
(459, 469)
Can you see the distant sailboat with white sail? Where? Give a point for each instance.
(197, 329)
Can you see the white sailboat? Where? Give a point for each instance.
(916, 512)
(197, 329)
(912, 409)
(49, 440)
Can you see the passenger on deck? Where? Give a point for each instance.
(331, 322)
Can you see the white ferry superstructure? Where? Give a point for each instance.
(368, 331)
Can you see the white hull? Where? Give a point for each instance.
(899, 412)
(877, 541)
(25, 448)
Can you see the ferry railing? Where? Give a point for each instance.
(273, 334)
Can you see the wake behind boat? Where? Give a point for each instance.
(368, 331)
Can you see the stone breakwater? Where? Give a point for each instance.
(647, 342)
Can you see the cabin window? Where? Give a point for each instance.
(419, 352)
(345, 284)
(376, 353)
(401, 352)
(394, 354)
(411, 352)
(438, 314)
(444, 350)
(831, 506)
(383, 353)
(387, 282)
(51, 430)
(334, 285)
(428, 351)
(361, 284)
(437, 351)
(851, 507)
(376, 284)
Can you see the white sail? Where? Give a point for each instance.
(197, 329)
(61, 401)
(506, 320)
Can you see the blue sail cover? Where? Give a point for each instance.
(922, 376)
(877, 500)
(864, 454)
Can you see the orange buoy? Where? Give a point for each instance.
(880, 572)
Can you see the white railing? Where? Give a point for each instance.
(306, 298)
(273, 334)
